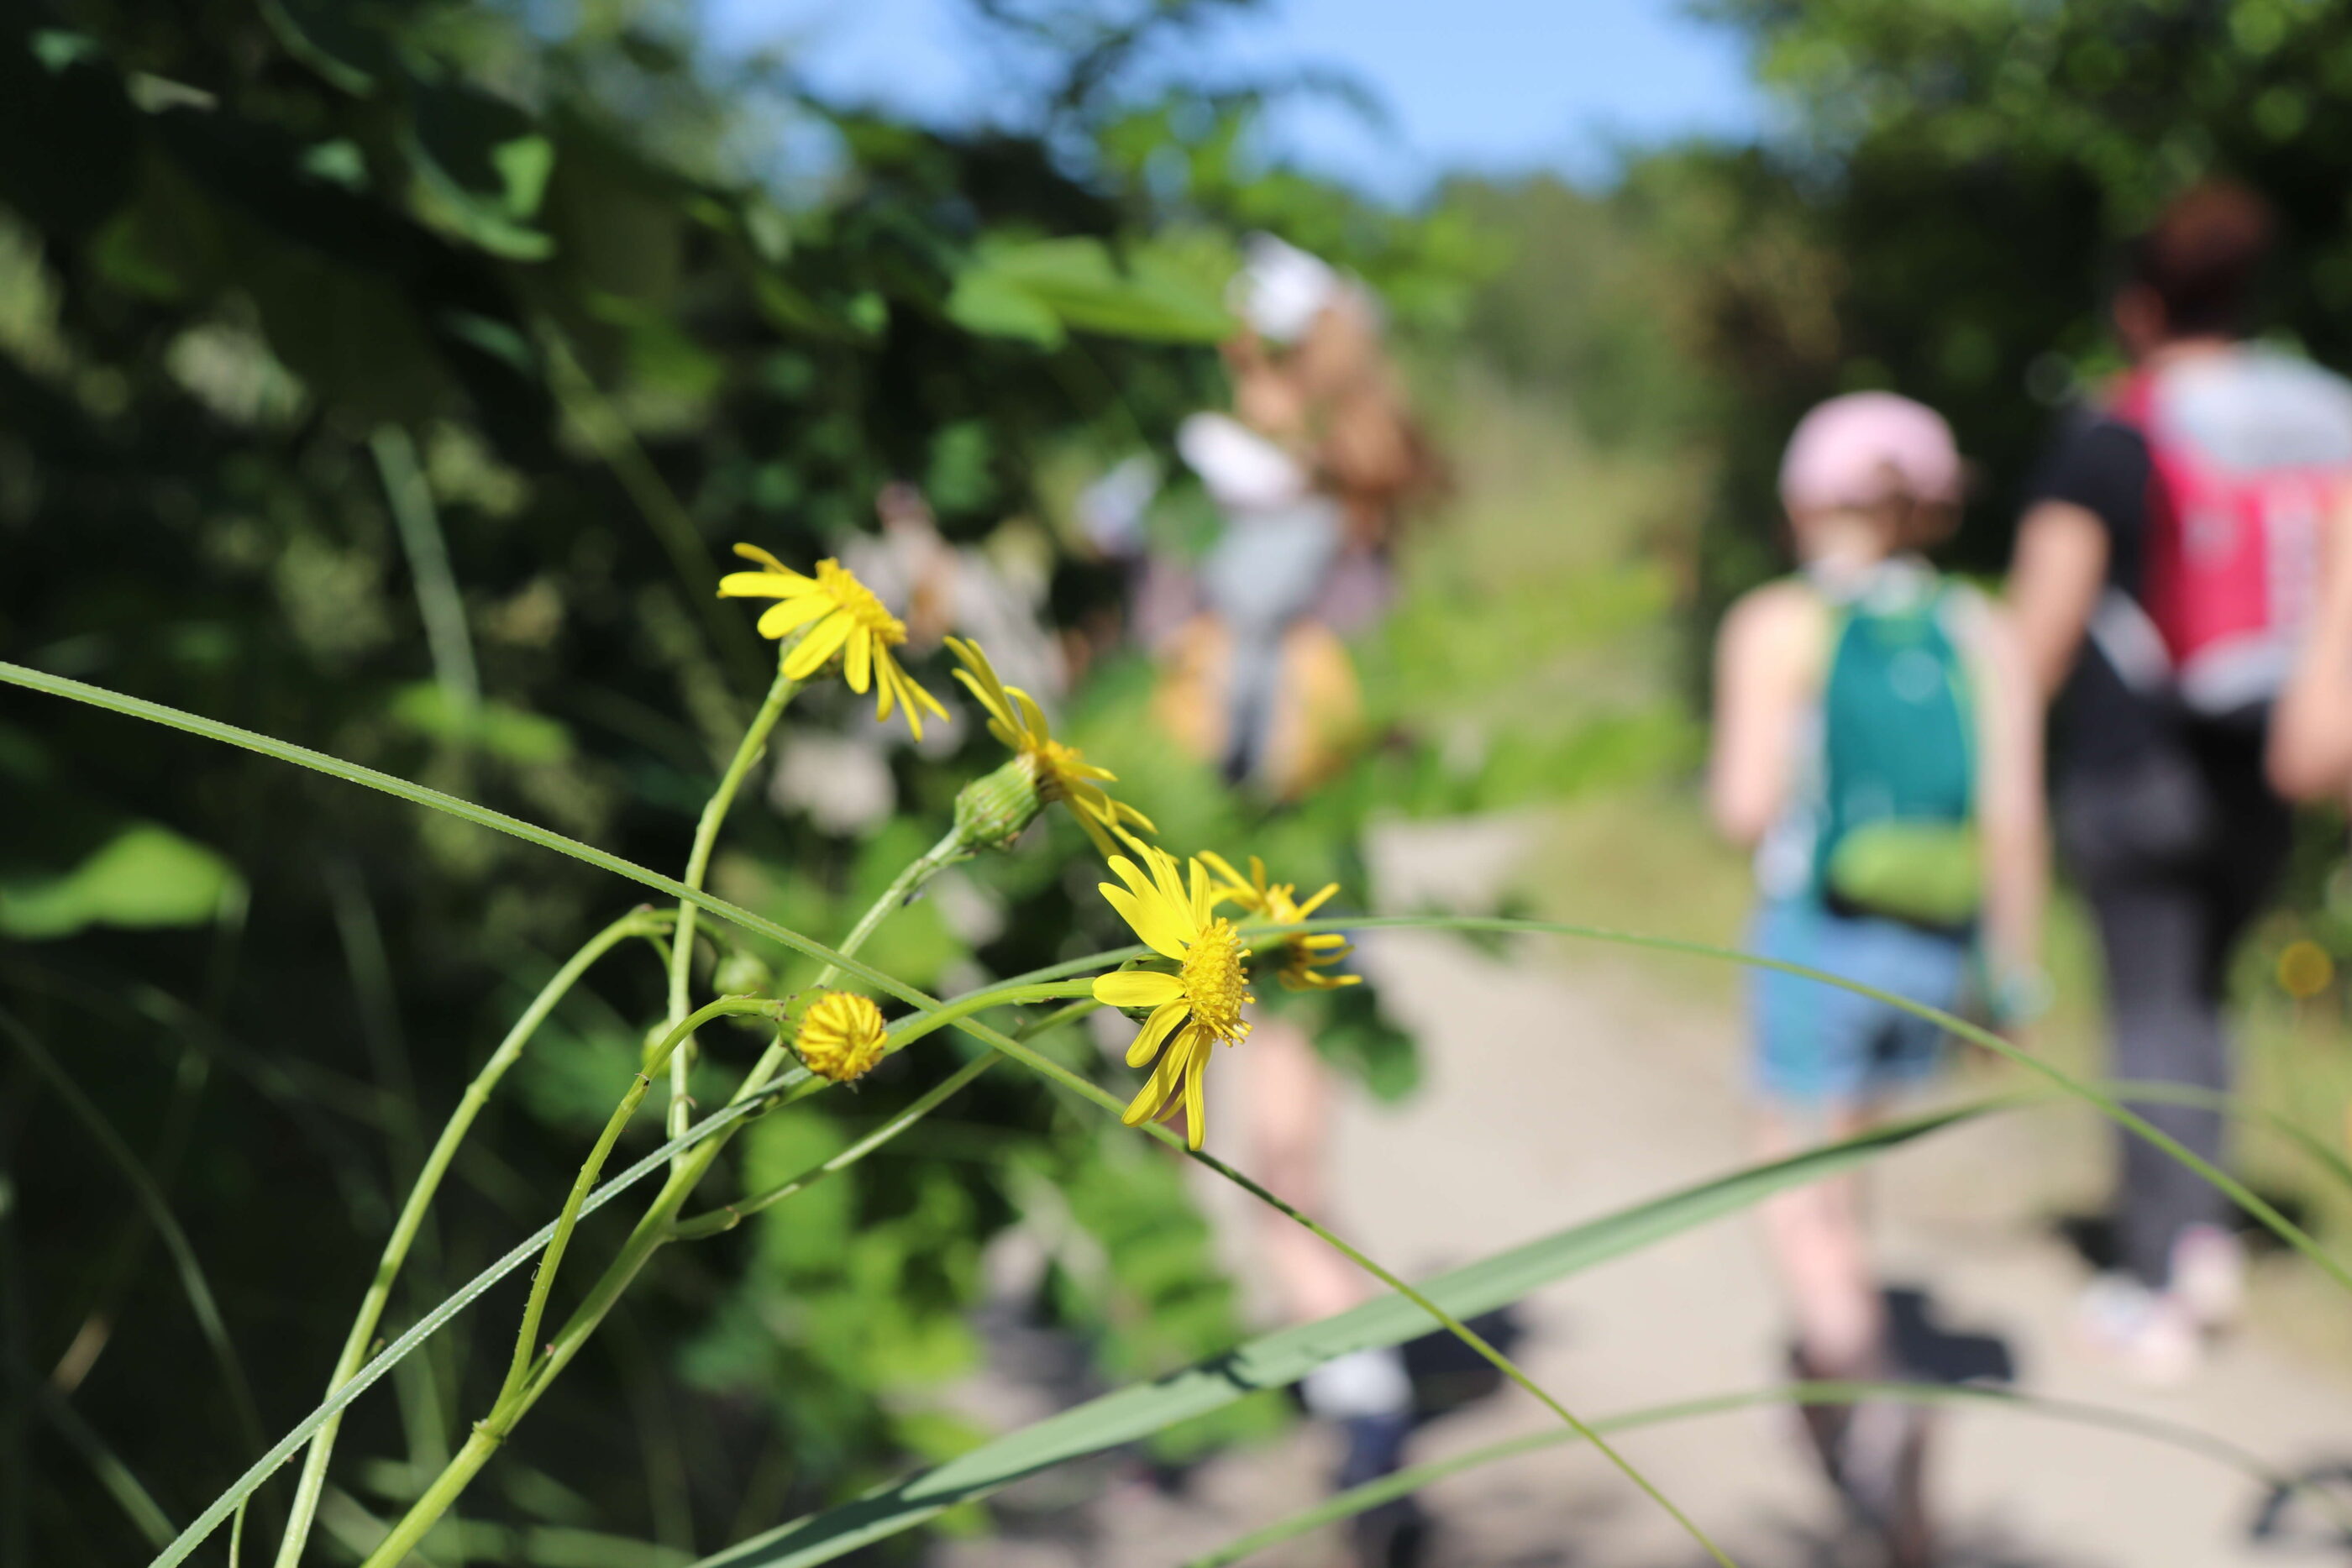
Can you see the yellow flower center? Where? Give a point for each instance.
(857, 599)
(1216, 983)
(842, 1036)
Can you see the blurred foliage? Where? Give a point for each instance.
(392, 379)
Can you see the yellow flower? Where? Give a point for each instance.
(843, 617)
(1061, 771)
(1304, 957)
(1194, 1010)
(840, 1036)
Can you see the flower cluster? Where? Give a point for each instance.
(1190, 1009)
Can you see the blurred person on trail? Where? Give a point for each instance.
(1310, 472)
(2164, 574)
(2310, 752)
(1876, 743)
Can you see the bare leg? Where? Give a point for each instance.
(1819, 1248)
(1289, 1139)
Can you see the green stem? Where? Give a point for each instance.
(530, 1376)
(313, 1479)
(698, 866)
(543, 1280)
(912, 880)
(729, 1215)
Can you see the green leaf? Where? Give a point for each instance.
(1017, 288)
(145, 876)
(997, 307)
(1281, 1358)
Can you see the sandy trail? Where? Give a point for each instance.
(1563, 1086)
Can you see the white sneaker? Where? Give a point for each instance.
(2150, 1336)
(2209, 1275)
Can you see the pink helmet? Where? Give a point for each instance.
(1867, 447)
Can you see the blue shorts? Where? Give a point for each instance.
(1816, 1044)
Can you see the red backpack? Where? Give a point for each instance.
(2250, 454)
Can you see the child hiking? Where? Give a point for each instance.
(1878, 746)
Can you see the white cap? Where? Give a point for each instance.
(1281, 289)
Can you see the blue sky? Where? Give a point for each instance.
(1495, 85)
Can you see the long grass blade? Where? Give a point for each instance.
(2106, 1104)
(158, 1209)
(838, 962)
(1279, 1359)
(1372, 1494)
(485, 816)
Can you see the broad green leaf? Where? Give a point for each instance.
(145, 876)
(996, 307)
(1013, 287)
(1278, 1359)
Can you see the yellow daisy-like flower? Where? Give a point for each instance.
(1305, 957)
(1061, 771)
(841, 1036)
(1194, 1010)
(843, 617)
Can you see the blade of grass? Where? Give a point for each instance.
(483, 816)
(138, 1504)
(836, 962)
(191, 1271)
(440, 1316)
(2106, 1104)
(1278, 1359)
(376, 1366)
(1356, 1500)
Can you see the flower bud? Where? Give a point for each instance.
(991, 811)
(841, 1036)
(741, 974)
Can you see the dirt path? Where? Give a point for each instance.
(1561, 1088)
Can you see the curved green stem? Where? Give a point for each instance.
(531, 1375)
(543, 1280)
(912, 880)
(698, 866)
(468, 811)
(727, 1217)
(313, 1479)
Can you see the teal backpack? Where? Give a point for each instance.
(1896, 812)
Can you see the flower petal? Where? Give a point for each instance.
(1315, 902)
(754, 585)
(785, 616)
(1032, 716)
(753, 552)
(1147, 1041)
(1196, 1100)
(823, 641)
(1154, 922)
(1000, 717)
(857, 666)
(1137, 988)
(1152, 1103)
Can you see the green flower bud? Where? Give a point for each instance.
(991, 811)
(741, 974)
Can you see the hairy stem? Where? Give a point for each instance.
(313, 1479)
